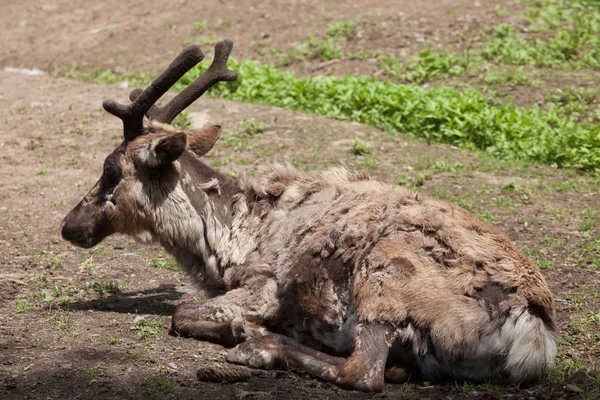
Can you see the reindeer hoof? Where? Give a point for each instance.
(244, 330)
(252, 354)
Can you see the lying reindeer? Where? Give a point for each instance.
(328, 273)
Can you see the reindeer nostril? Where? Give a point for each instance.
(71, 232)
(67, 232)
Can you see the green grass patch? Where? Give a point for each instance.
(562, 34)
(574, 101)
(465, 119)
(134, 355)
(509, 77)
(163, 261)
(93, 373)
(103, 288)
(590, 255)
(99, 249)
(62, 322)
(22, 306)
(343, 30)
(240, 140)
(149, 329)
(182, 121)
(318, 47)
(315, 48)
(250, 127)
(559, 34)
(115, 340)
(157, 388)
(429, 65)
(566, 366)
(360, 148)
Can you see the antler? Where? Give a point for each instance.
(143, 101)
(217, 72)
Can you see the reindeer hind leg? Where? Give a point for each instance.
(363, 370)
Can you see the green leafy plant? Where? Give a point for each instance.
(251, 127)
(22, 306)
(316, 48)
(343, 30)
(115, 340)
(427, 66)
(360, 148)
(182, 121)
(149, 329)
(93, 373)
(200, 27)
(464, 118)
(163, 261)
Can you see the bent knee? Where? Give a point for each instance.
(183, 315)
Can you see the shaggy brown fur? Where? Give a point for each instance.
(383, 277)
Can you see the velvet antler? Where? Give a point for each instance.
(143, 101)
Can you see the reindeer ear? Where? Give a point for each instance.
(203, 140)
(163, 150)
(170, 148)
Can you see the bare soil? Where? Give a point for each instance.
(93, 324)
(136, 35)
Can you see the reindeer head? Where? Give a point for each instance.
(148, 162)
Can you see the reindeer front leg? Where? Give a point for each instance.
(229, 319)
(363, 370)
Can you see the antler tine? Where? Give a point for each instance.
(215, 73)
(135, 93)
(143, 101)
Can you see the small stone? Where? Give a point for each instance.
(139, 318)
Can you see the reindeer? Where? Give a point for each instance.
(345, 278)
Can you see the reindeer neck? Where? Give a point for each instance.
(203, 226)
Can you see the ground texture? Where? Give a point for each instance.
(93, 323)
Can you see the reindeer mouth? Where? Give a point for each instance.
(88, 239)
(85, 239)
(86, 243)
(86, 231)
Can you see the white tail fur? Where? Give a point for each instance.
(531, 344)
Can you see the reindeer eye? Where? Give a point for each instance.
(108, 171)
(111, 171)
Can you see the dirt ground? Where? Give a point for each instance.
(83, 324)
(136, 35)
